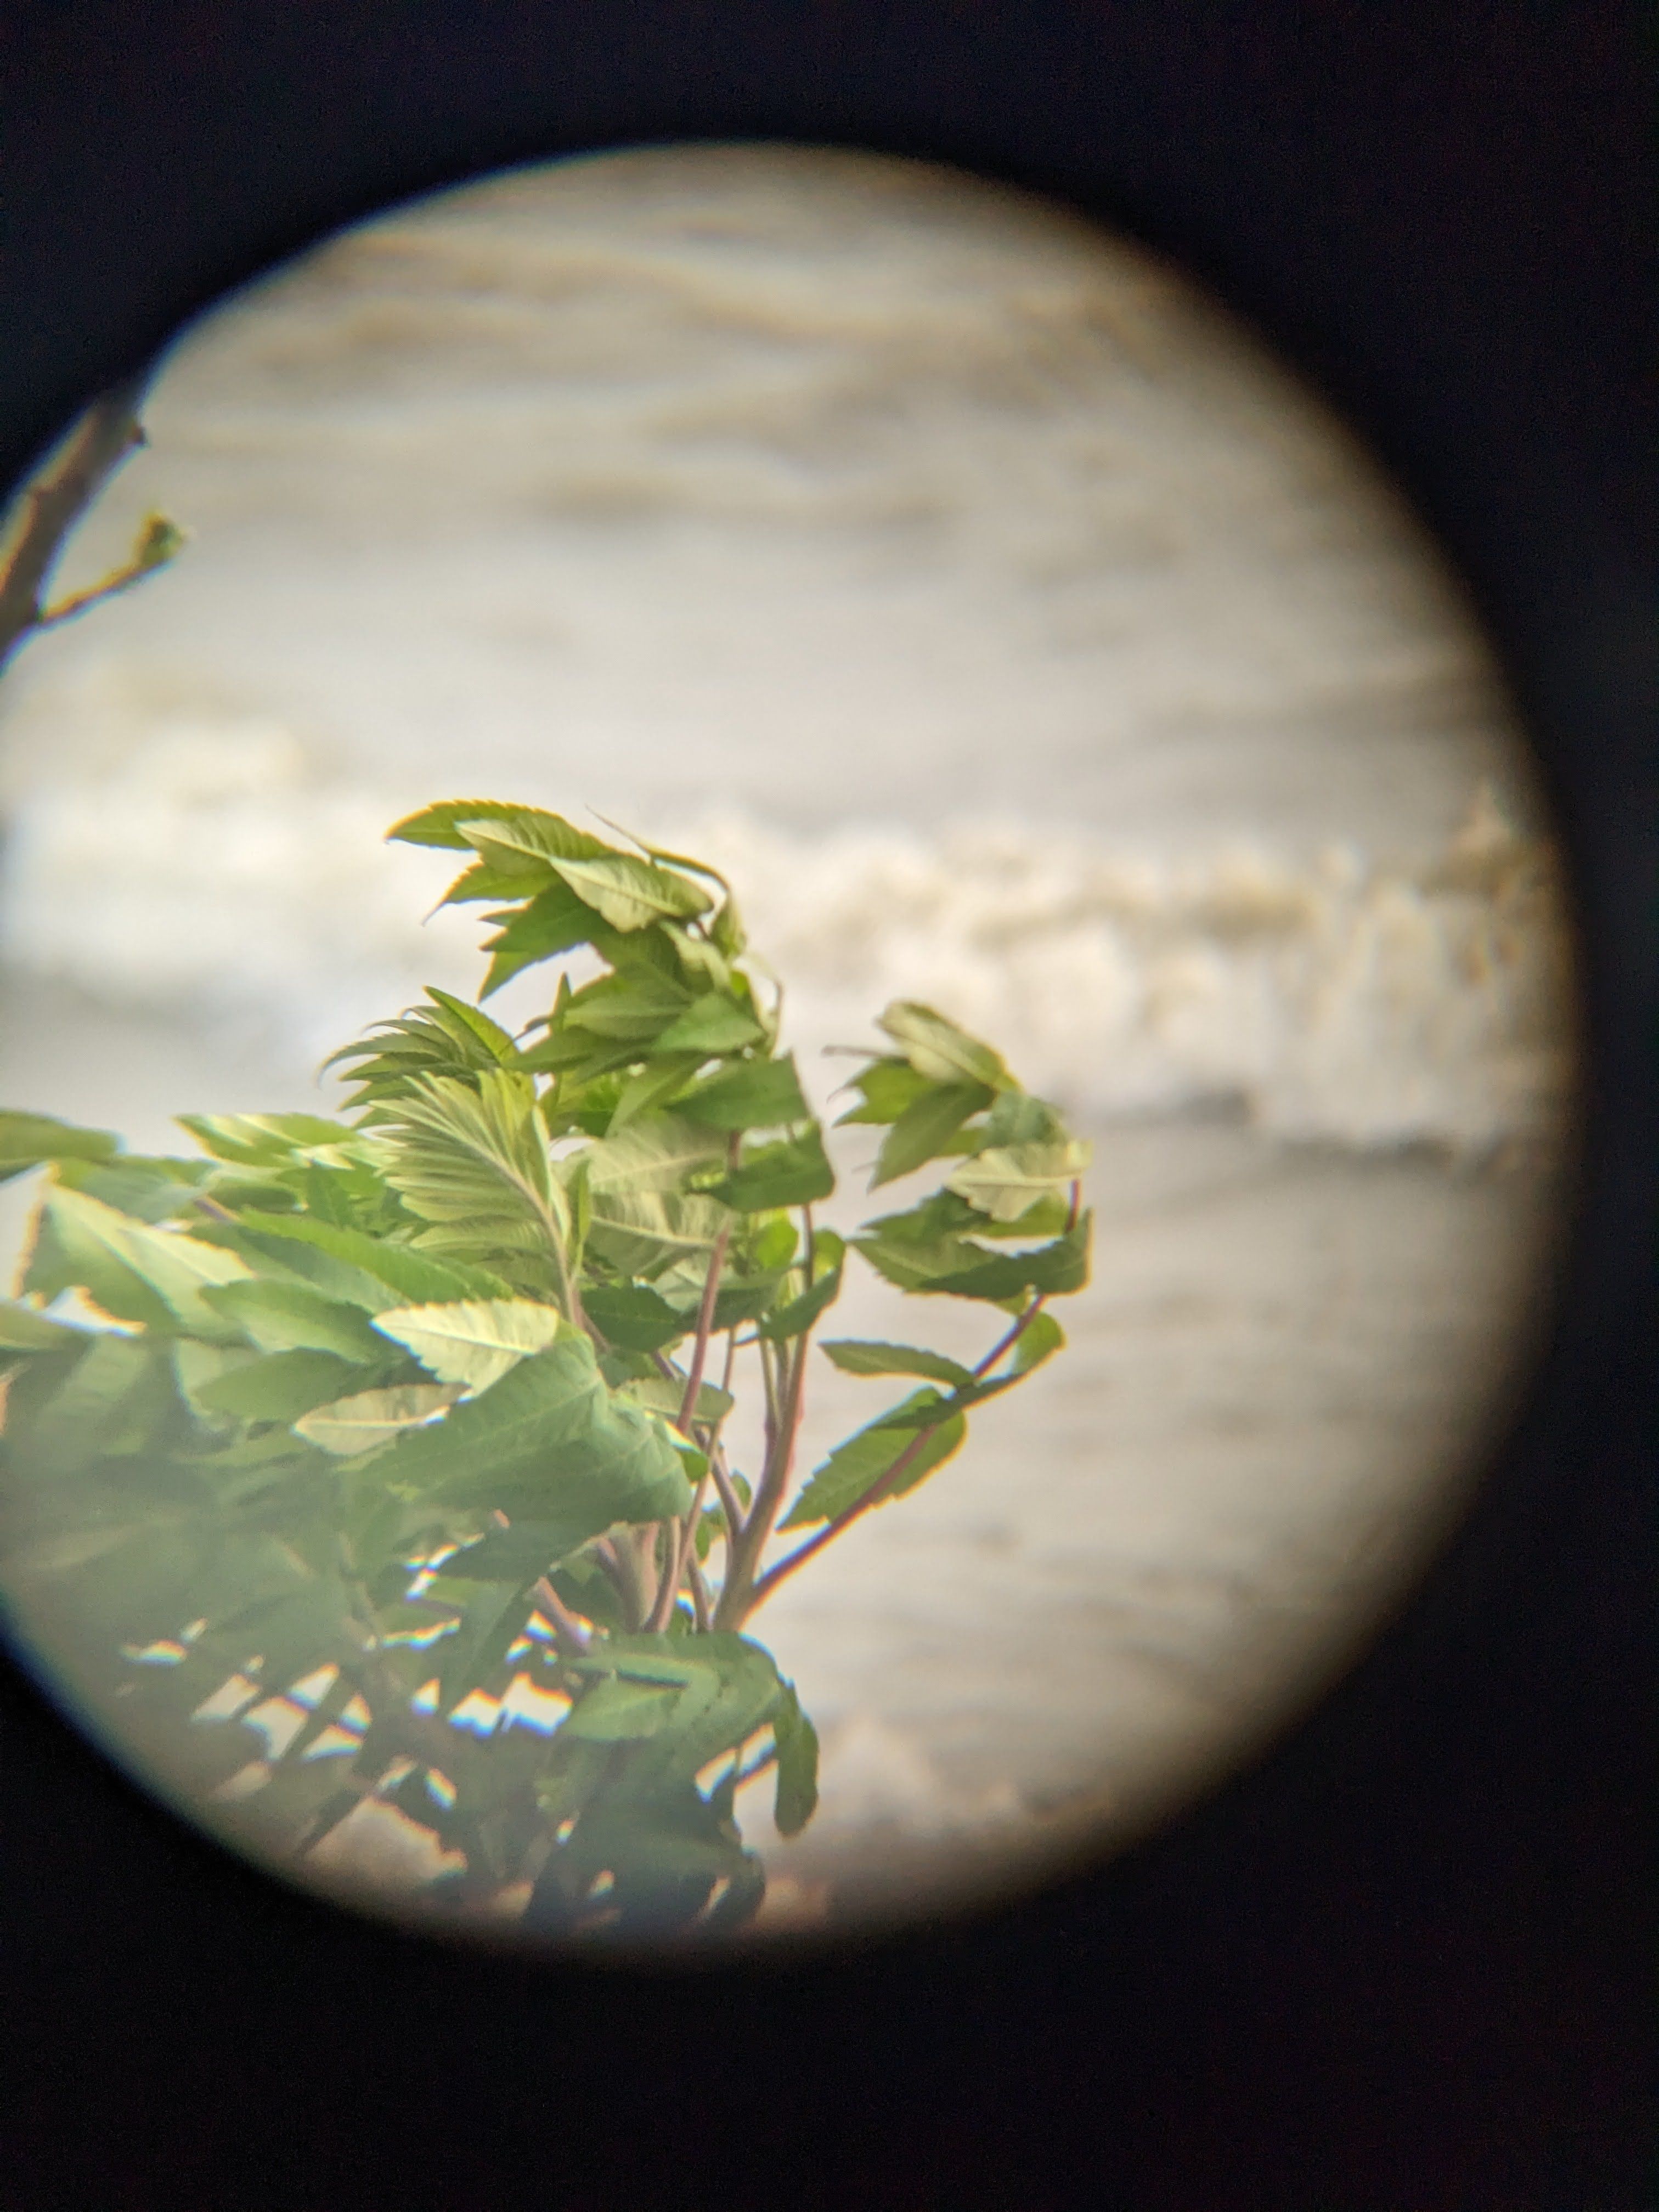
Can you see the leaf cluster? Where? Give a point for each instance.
(385, 1454)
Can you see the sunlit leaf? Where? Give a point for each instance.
(474, 1342)
(643, 1232)
(151, 1276)
(436, 825)
(372, 1417)
(1007, 1181)
(656, 1152)
(24, 1328)
(474, 1163)
(938, 1049)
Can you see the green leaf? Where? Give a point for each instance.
(631, 894)
(632, 1009)
(370, 1419)
(669, 860)
(711, 1692)
(938, 1049)
(23, 1328)
(474, 1342)
(641, 1232)
(854, 1357)
(774, 1242)
(294, 1317)
(436, 825)
(519, 1554)
(620, 1711)
(927, 1126)
(28, 1139)
(652, 1087)
(665, 1395)
(110, 1400)
(711, 1025)
(1007, 1181)
(755, 1094)
(136, 1273)
(279, 1386)
(277, 1259)
(482, 882)
(706, 963)
(627, 892)
(1040, 1337)
(858, 1465)
(1016, 1118)
(447, 1038)
(295, 1631)
(933, 1248)
(1057, 1269)
(632, 1316)
(474, 1025)
(797, 1741)
(268, 1140)
(888, 1087)
(792, 1172)
(555, 921)
(474, 1163)
(798, 1314)
(657, 1152)
(150, 1190)
(550, 1433)
(639, 1658)
(416, 1278)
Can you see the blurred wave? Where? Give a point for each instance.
(218, 874)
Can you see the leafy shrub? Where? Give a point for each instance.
(414, 1420)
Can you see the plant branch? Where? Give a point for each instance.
(705, 1324)
(731, 1503)
(567, 1627)
(144, 563)
(105, 434)
(882, 1487)
(736, 1599)
(699, 1593)
(682, 1538)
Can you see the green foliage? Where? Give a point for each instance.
(396, 1442)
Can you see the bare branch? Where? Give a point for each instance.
(107, 432)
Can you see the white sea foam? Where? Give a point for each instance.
(213, 873)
